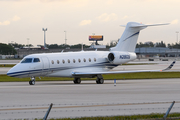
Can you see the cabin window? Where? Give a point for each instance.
(27, 60)
(79, 60)
(57, 61)
(89, 59)
(94, 59)
(63, 61)
(74, 60)
(68, 61)
(36, 60)
(84, 60)
(52, 62)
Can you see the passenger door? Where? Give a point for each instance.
(45, 68)
(35, 67)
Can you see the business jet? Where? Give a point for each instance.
(83, 64)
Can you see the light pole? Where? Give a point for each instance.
(93, 40)
(177, 36)
(65, 37)
(44, 37)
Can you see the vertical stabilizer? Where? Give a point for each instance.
(129, 38)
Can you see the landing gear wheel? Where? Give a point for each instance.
(99, 79)
(32, 81)
(77, 80)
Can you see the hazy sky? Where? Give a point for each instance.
(22, 19)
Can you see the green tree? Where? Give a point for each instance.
(160, 44)
(16, 45)
(7, 49)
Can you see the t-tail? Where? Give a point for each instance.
(129, 38)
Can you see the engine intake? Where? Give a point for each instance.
(111, 57)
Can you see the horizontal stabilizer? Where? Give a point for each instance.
(142, 25)
(134, 26)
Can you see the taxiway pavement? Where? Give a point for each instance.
(20, 100)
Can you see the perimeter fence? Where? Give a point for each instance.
(87, 110)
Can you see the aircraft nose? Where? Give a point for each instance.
(18, 71)
(9, 72)
(12, 71)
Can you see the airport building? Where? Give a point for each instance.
(157, 51)
(143, 52)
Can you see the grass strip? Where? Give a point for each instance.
(125, 76)
(153, 116)
(7, 65)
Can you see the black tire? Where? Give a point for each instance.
(97, 81)
(30, 82)
(33, 82)
(78, 80)
(75, 81)
(101, 81)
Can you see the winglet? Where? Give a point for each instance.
(170, 66)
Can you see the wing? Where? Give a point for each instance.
(118, 72)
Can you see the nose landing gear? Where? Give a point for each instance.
(32, 81)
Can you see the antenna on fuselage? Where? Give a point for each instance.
(62, 51)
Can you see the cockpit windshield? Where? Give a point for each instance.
(30, 60)
(27, 60)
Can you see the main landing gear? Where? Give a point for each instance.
(99, 79)
(32, 81)
(77, 80)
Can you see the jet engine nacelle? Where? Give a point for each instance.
(116, 57)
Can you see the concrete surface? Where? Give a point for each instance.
(20, 100)
(9, 61)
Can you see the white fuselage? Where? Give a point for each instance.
(64, 64)
(83, 64)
